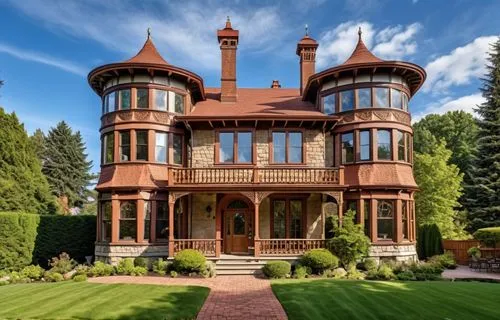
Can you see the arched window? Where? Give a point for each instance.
(237, 204)
(128, 217)
(385, 221)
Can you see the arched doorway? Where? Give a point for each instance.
(236, 226)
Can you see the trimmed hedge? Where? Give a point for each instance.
(277, 269)
(429, 241)
(17, 239)
(31, 238)
(74, 235)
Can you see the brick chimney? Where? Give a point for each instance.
(306, 50)
(228, 41)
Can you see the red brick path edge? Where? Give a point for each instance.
(231, 297)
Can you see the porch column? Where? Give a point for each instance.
(218, 226)
(256, 228)
(171, 204)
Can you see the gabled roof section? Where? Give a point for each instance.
(361, 54)
(148, 54)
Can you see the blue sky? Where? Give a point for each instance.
(48, 47)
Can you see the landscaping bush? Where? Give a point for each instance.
(319, 260)
(370, 264)
(427, 268)
(80, 278)
(349, 242)
(189, 260)
(161, 266)
(384, 272)
(173, 274)
(277, 269)
(429, 241)
(140, 262)
(139, 271)
(301, 272)
(407, 275)
(17, 239)
(337, 273)
(125, 266)
(488, 236)
(32, 272)
(62, 264)
(474, 253)
(17, 277)
(74, 235)
(447, 260)
(427, 277)
(209, 271)
(101, 269)
(51, 276)
(82, 270)
(3, 283)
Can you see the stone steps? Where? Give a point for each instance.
(240, 265)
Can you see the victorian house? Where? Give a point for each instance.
(254, 171)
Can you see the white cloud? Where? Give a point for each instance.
(459, 67)
(185, 35)
(44, 59)
(391, 43)
(465, 103)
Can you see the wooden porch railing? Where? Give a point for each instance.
(206, 246)
(190, 176)
(288, 246)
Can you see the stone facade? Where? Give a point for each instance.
(113, 253)
(315, 148)
(203, 223)
(262, 142)
(314, 217)
(203, 152)
(399, 252)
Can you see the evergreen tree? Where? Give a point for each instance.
(38, 143)
(440, 188)
(484, 191)
(23, 187)
(65, 165)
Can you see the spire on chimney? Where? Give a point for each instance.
(306, 50)
(228, 41)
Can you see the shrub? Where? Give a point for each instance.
(3, 283)
(370, 264)
(209, 271)
(82, 270)
(62, 264)
(349, 242)
(161, 266)
(17, 277)
(80, 278)
(319, 260)
(447, 260)
(489, 236)
(338, 273)
(140, 262)
(427, 268)
(277, 269)
(189, 260)
(101, 269)
(139, 271)
(427, 277)
(301, 272)
(474, 252)
(52, 276)
(17, 238)
(173, 274)
(32, 272)
(125, 266)
(429, 241)
(406, 276)
(384, 272)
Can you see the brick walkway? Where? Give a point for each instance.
(231, 297)
(463, 272)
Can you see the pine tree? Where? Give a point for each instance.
(65, 165)
(23, 187)
(484, 191)
(38, 143)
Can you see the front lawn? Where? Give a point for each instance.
(345, 299)
(71, 300)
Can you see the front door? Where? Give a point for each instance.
(236, 231)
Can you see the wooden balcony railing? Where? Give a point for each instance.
(288, 246)
(206, 246)
(191, 176)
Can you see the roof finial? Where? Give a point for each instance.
(359, 33)
(307, 30)
(228, 23)
(149, 33)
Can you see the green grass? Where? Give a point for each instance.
(345, 299)
(71, 300)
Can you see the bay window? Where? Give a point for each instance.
(408, 147)
(347, 147)
(147, 220)
(401, 145)
(109, 102)
(396, 100)
(382, 97)
(364, 98)
(177, 148)
(124, 146)
(404, 213)
(368, 213)
(106, 221)
(384, 151)
(161, 147)
(141, 145)
(347, 100)
(364, 145)
(405, 102)
(124, 99)
(161, 99)
(128, 220)
(287, 147)
(108, 144)
(142, 99)
(385, 219)
(179, 103)
(329, 103)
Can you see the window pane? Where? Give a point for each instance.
(404, 211)
(177, 148)
(226, 147)
(367, 208)
(106, 220)
(384, 145)
(396, 99)
(401, 146)
(125, 146)
(279, 141)
(347, 100)
(161, 220)
(244, 147)
(364, 98)
(405, 102)
(296, 219)
(364, 145)
(385, 223)
(295, 152)
(408, 147)
(161, 147)
(329, 104)
(109, 141)
(142, 98)
(382, 97)
(161, 97)
(179, 103)
(142, 145)
(128, 213)
(124, 99)
(238, 224)
(147, 219)
(112, 102)
(279, 219)
(347, 147)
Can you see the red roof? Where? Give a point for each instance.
(256, 102)
(361, 54)
(148, 54)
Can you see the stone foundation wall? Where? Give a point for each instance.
(398, 252)
(113, 253)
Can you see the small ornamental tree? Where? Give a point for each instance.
(429, 241)
(349, 242)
